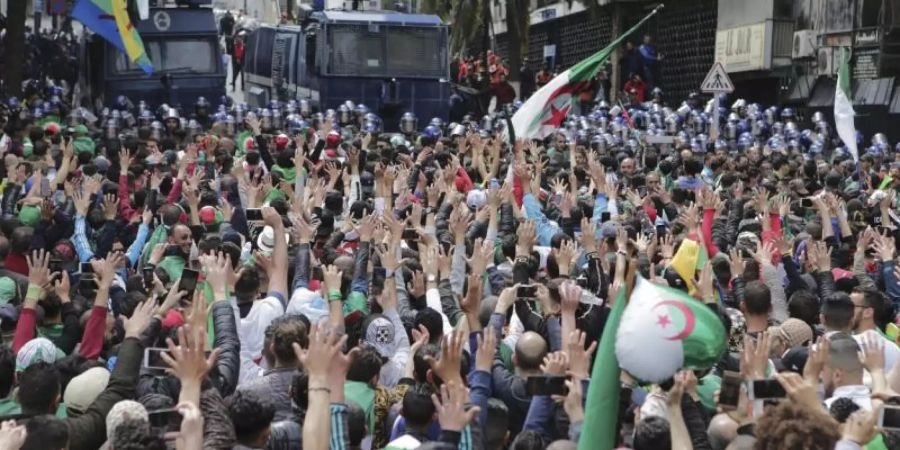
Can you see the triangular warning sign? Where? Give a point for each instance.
(717, 81)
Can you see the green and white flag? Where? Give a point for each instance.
(843, 107)
(547, 108)
(664, 330)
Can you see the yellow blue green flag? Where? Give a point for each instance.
(109, 18)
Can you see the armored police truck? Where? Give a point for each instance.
(392, 62)
(182, 43)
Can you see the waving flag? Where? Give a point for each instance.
(545, 111)
(664, 330)
(601, 409)
(109, 18)
(843, 108)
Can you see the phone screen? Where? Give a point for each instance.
(410, 234)
(148, 277)
(766, 389)
(730, 391)
(188, 282)
(254, 214)
(546, 385)
(56, 265)
(165, 420)
(890, 417)
(528, 291)
(806, 202)
(378, 276)
(605, 216)
(153, 358)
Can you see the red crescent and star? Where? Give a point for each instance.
(663, 320)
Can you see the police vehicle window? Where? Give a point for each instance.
(416, 52)
(183, 55)
(356, 50)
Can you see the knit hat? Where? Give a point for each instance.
(30, 216)
(209, 215)
(7, 290)
(122, 411)
(794, 332)
(288, 174)
(380, 335)
(476, 198)
(84, 389)
(36, 351)
(266, 239)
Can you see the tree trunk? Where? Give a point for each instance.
(15, 46)
(513, 38)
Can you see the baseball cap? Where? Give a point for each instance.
(7, 290)
(30, 215)
(266, 239)
(36, 351)
(84, 389)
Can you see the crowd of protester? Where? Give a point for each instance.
(237, 279)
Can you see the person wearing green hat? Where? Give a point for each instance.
(81, 141)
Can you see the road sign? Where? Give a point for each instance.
(717, 81)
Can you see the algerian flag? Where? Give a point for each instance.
(843, 108)
(601, 407)
(664, 330)
(545, 111)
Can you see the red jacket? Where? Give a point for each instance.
(239, 52)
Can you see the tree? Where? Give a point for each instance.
(15, 46)
(517, 23)
(468, 20)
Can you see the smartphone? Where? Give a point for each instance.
(806, 202)
(730, 391)
(148, 278)
(661, 231)
(45, 187)
(254, 215)
(528, 291)
(410, 234)
(378, 276)
(546, 385)
(766, 389)
(153, 358)
(317, 274)
(605, 216)
(87, 276)
(56, 265)
(188, 281)
(890, 418)
(165, 419)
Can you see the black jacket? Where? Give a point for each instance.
(88, 431)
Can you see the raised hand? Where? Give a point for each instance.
(188, 360)
(487, 349)
(447, 368)
(755, 358)
(579, 357)
(450, 407)
(556, 363)
(110, 207)
(38, 268)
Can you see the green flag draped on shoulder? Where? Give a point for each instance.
(545, 111)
